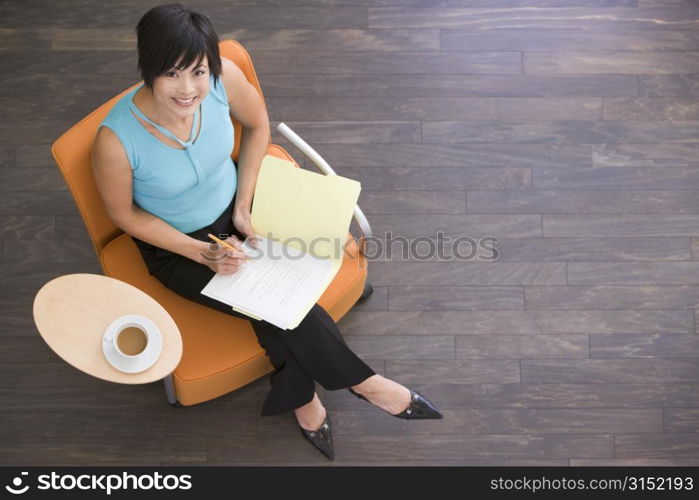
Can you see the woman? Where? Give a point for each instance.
(162, 163)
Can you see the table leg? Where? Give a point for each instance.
(170, 389)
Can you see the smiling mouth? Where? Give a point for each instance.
(184, 102)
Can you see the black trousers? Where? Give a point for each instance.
(313, 351)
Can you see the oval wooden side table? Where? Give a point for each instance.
(73, 311)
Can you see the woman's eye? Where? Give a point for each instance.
(172, 73)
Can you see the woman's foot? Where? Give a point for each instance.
(315, 426)
(311, 415)
(384, 393)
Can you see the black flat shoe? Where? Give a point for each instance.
(322, 438)
(420, 407)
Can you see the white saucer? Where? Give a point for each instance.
(142, 361)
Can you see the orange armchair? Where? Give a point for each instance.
(220, 352)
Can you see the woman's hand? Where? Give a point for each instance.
(241, 221)
(223, 260)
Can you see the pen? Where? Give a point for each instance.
(226, 245)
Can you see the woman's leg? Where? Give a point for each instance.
(321, 350)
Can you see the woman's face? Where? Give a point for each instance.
(181, 91)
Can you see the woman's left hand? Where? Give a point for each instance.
(241, 221)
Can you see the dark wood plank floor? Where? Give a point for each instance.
(566, 129)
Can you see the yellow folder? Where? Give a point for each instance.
(307, 211)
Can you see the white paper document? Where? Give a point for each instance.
(274, 284)
(301, 220)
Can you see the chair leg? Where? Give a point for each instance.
(368, 290)
(170, 391)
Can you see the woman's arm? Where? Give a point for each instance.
(247, 107)
(114, 180)
(253, 148)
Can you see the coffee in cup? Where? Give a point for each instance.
(131, 341)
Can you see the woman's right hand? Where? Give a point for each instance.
(223, 260)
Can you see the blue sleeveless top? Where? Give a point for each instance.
(187, 188)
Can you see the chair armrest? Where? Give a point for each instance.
(325, 168)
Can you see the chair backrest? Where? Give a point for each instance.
(73, 149)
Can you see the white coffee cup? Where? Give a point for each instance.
(132, 343)
(131, 340)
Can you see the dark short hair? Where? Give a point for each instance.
(168, 32)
